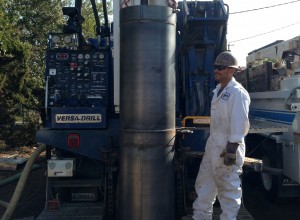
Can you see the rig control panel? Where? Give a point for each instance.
(77, 84)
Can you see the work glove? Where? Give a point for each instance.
(229, 158)
(229, 154)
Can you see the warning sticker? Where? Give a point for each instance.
(78, 118)
(203, 120)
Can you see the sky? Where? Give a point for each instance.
(249, 24)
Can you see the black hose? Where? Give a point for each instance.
(97, 20)
(78, 5)
(15, 177)
(106, 34)
(79, 20)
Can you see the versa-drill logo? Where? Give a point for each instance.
(78, 118)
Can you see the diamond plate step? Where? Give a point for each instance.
(243, 214)
(74, 211)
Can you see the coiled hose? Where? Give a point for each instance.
(20, 186)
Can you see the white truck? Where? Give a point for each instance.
(272, 78)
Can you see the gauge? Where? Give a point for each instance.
(68, 165)
(80, 56)
(67, 39)
(101, 56)
(55, 39)
(87, 56)
(52, 165)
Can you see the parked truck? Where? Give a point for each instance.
(272, 80)
(126, 113)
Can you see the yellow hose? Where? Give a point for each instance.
(22, 181)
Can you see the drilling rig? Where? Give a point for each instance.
(120, 108)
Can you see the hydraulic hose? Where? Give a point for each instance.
(15, 177)
(186, 8)
(97, 20)
(20, 186)
(4, 204)
(104, 6)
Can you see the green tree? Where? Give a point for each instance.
(13, 57)
(24, 26)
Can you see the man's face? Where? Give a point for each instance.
(223, 74)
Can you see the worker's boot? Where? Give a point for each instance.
(187, 218)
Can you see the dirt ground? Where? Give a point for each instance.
(32, 200)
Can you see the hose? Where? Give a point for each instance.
(4, 204)
(186, 8)
(15, 177)
(20, 186)
(97, 20)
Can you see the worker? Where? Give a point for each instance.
(221, 166)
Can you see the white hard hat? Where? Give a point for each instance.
(226, 59)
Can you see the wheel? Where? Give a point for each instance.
(270, 183)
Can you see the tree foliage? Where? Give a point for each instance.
(13, 57)
(24, 25)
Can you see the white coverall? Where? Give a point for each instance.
(229, 122)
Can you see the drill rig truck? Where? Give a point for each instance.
(272, 80)
(126, 113)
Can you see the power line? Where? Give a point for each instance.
(256, 9)
(264, 33)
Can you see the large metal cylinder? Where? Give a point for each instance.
(147, 111)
